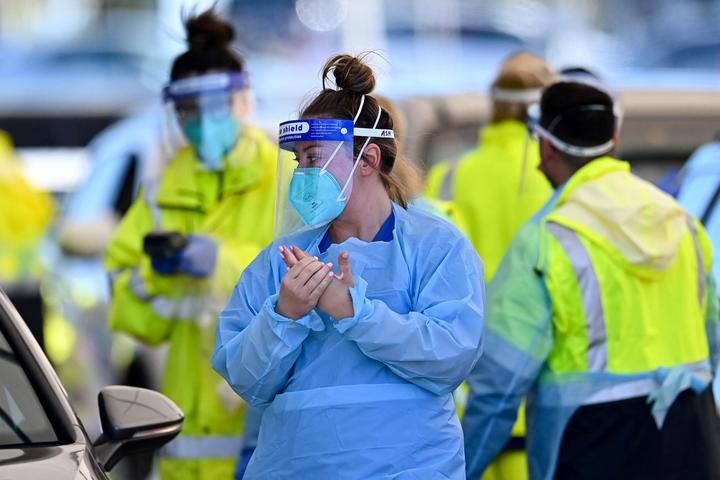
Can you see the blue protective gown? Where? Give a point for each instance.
(368, 396)
(700, 181)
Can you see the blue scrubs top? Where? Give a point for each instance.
(369, 396)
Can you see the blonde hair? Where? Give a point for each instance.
(404, 181)
(520, 71)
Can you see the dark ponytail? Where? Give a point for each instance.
(353, 79)
(208, 38)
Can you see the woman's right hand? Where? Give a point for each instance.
(335, 300)
(302, 287)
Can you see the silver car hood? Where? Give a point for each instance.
(71, 462)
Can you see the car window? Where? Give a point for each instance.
(22, 418)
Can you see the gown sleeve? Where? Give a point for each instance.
(436, 344)
(255, 347)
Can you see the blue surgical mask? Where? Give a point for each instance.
(212, 138)
(316, 196)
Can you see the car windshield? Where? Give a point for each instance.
(22, 418)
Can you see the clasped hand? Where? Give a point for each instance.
(310, 283)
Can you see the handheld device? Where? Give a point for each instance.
(164, 244)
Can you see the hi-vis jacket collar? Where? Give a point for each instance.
(639, 226)
(210, 83)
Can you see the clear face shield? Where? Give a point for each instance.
(524, 96)
(316, 168)
(200, 111)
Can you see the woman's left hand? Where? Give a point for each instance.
(336, 300)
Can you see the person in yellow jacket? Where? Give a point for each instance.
(495, 188)
(604, 313)
(25, 216)
(180, 249)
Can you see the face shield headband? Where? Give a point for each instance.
(534, 114)
(527, 95)
(332, 130)
(199, 111)
(208, 84)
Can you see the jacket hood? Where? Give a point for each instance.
(623, 214)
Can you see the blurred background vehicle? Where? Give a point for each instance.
(39, 431)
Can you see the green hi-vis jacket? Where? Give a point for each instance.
(606, 294)
(235, 208)
(492, 191)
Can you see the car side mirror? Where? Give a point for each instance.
(134, 420)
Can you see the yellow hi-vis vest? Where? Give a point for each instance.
(234, 207)
(605, 294)
(612, 271)
(494, 189)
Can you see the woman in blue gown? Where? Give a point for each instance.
(354, 329)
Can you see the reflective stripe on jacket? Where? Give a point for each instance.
(606, 294)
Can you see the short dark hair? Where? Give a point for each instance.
(564, 114)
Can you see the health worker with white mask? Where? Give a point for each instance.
(354, 327)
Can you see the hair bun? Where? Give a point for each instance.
(350, 73)
(208, 30)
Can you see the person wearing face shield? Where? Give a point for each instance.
(500, 172)
(604, 311)
(183, 244)
(354, 327)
